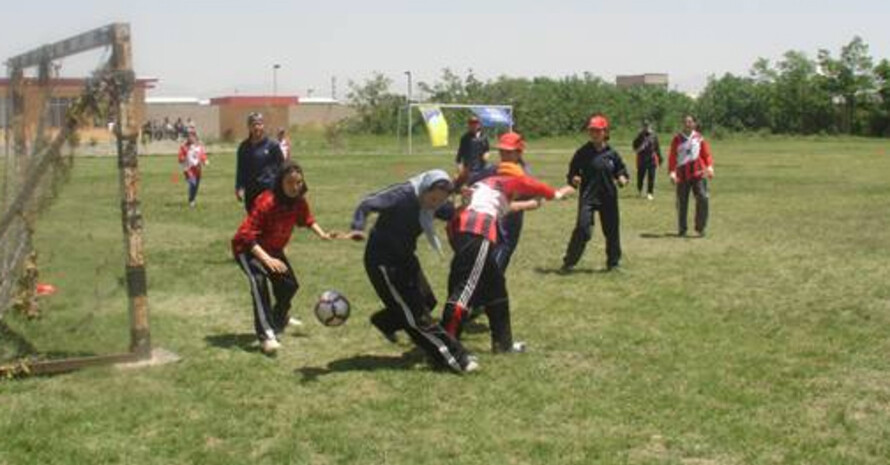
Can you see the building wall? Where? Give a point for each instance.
(34, 104)
(652, 79)
(233, 119)
(205, 117)
(308, 114)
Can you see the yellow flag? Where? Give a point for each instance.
(435, 124)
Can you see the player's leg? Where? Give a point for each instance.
(700, 190)
(580, 235)
(471, 254)
(610, 225)
(408, 288)
(284, 287)
(682, 206)
(259, 292)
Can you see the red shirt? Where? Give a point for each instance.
(491, 200)
(690, 156)
(270, 224)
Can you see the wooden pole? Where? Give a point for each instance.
(126, 129)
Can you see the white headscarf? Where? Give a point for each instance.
(422, 183)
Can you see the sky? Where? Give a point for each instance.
(214, 48)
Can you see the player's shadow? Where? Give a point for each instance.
(243, 341)
(668, 235)
(562, 272)
(363, 363)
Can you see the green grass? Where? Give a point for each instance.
(765, 343)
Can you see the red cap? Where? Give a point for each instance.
(598, 122)
(511, 141)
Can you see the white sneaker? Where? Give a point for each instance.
(650, 197)
(472, 366)
(192, 204)
(518, 347)
(270, 346)
(294, 321)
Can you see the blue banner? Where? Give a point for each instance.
(493, 116)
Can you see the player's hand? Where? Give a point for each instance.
(710, 172)
(326, 236)
(622, 180)
(563, 192)
(276, 265)
(357, 236)
(239, 194)
(673, 176)
(576, 181)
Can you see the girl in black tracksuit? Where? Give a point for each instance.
(594, 170)
(404, 212)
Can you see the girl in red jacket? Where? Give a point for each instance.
(192, 158)
(690, 166)
(258, 247)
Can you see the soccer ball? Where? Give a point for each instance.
(332, 308)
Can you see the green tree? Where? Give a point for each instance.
(850, 80)
(376, 108)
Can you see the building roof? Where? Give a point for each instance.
(173, 100)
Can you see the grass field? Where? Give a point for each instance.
(764, 343)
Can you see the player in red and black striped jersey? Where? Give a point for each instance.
(691, 165)
(475, 278)
(258, 247)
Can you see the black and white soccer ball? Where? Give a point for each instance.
(332, 308)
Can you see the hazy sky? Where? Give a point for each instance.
(206, 49)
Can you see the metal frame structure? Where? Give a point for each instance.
(117, 81)
(449, 105)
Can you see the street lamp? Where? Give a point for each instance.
(408, 113)
(275, 78)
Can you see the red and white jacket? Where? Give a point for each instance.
(191, 158)
(690, 156)
(490, 200)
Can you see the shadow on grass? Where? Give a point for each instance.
(562, 272)
(243, 341)
(668, 235)
(363, 363)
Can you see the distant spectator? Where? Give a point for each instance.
(648, 159)
(284, 143)
(472, 154)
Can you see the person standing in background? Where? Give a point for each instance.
(691, 166)
(648, 158)
(258, 160)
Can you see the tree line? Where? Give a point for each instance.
(826, 94)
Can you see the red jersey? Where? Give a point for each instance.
(690, 156)
(270, 224)
(191, 158)
(491, 200)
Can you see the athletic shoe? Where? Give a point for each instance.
(650, 197)
(270, 346)
(471, 366)
(192, 204)
(294, 321)
(389, 336)
(516, 348)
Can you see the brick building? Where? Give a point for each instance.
(61, 92)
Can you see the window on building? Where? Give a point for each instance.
(58, 106)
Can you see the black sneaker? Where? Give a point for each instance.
(390, 336)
